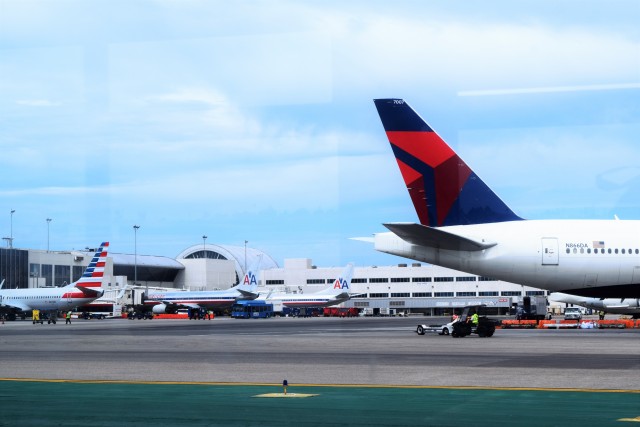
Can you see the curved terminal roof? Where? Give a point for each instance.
(232, 253)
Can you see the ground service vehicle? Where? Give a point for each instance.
(531, 308)
(572, 313)
(341, 312)
(251, 309)
(462, 326)
(440, 329)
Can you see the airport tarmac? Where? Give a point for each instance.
(366, 351)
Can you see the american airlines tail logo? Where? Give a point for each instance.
(340, 284)
(250, 279)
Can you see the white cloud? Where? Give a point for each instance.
(277, 68)
(284, 187)
(414, 54)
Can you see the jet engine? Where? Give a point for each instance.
(163, 309)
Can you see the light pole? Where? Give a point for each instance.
(48, 222)
(11, 235)
(135, 256)
(204, 246)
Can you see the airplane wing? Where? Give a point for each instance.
(247, 294)
(358, 294)
(422, 235)
(17, 305)
(343, 295)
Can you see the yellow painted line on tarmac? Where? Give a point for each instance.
(398, 386)
(631, 420)
(286, 396)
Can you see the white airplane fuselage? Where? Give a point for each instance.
(628, 306)
(45, 298)
(598, 258)
(310, 300)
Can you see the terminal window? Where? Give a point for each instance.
(421, 279)
(47, 273)
(488, 293)
(443, 279)
(534, 293)
(400, 295)
(379, 295)
(378, 280)
(466, 279)
(62, 274)
(443, 294)
(511, 293)
(422, 294)
(77, 272)
(358, 280)
(465, 294)
(399, 279)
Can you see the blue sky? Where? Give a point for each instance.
(254, 120)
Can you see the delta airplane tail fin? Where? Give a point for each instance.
(444, 190)
(91, 281)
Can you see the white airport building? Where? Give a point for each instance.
(403, 288)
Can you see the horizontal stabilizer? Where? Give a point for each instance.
(90, 292)
(422, 235)
(363, 239)
(246, 293)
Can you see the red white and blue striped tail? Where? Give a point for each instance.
(93, 274)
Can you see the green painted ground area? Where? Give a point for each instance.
(125, 404)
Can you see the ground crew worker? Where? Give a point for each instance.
(601, 315)
(474, 319)
(285, 383)
(35, 316)
(67, 318)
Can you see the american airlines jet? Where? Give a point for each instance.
(171, 302)
(629, 306)
(465, 226)
(85, 290)
(335, 294)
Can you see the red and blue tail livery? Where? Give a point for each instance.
(464, 226)
(443, 189)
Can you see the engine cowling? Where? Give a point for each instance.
(160, 309)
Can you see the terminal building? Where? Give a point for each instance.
(401, 288)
